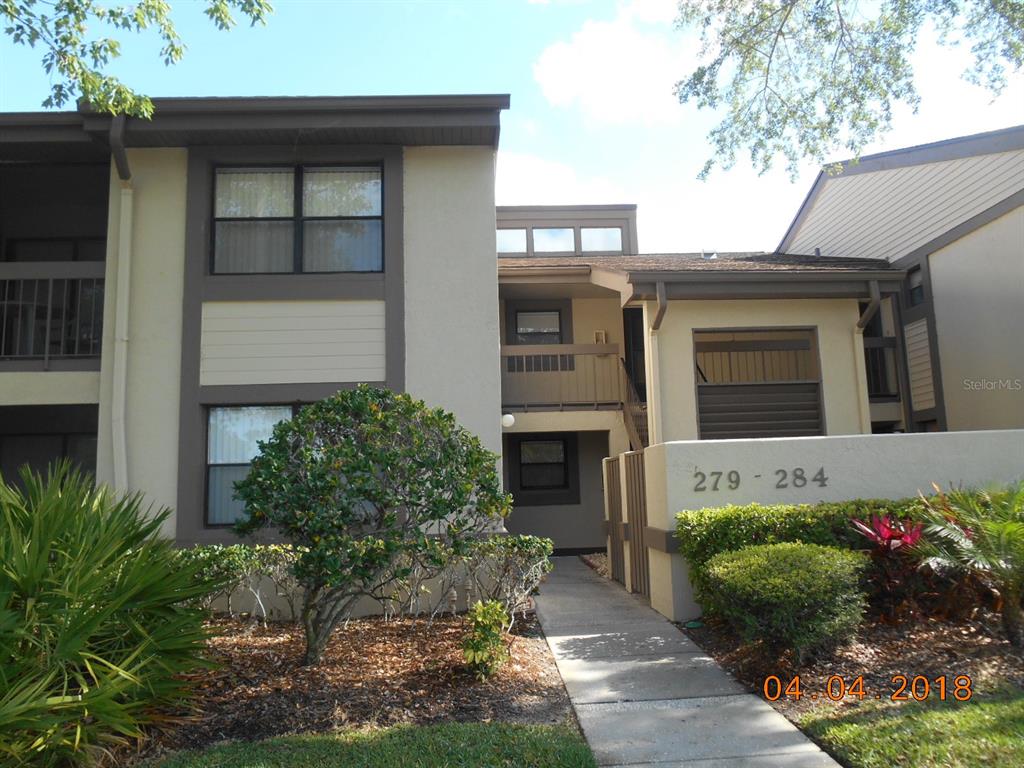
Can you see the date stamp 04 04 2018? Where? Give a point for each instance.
(904, 688)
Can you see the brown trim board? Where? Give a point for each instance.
(200, 285)
(661, 540)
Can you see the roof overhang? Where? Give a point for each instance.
(383, 120)
(643, 285)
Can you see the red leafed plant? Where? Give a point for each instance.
(889, 533)
(894, 580)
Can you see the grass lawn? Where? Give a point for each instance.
(451, 745)
(982, 732)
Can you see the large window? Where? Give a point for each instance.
(298, 219)
(538, 327)
(233, 435)
(601, 239)
(511, 240)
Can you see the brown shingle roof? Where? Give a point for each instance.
(696, 262)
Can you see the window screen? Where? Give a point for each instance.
(539, 327)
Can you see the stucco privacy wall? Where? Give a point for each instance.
(670, 357)
(865, 466)
(50, 387)
(978, 291)
(451, 285)
(154, 345)
(291, 342)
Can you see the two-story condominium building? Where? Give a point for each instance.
(171, 288)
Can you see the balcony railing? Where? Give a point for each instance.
(51, 311)
(560, 376)
(880, 364)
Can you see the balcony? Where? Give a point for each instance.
(51, 315)
(880, 364)
(559, 377)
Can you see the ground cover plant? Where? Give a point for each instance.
(372, 488)
(453, 745)
(98, 624)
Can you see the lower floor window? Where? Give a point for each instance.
(542, 464)
(542, 468)
(233, 436)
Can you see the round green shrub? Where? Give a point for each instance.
(790, 596)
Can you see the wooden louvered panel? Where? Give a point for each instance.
(734, 411)
(919, 365)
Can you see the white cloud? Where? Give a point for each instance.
(620, 71)
(526, 179)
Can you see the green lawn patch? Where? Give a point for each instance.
(452, 745)
(985, 731)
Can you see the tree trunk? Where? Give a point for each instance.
(320, 615)
(1013, 619)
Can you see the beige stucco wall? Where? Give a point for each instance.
(672, 397)
(291, 342)
(590, 315)
(856, 466)
(49, 387)
(978, 288)
(451, 285)
(154, 338)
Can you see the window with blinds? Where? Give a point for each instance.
(310, 219)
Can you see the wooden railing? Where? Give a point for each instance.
(560, 377)
(51, 311)
(634, 412)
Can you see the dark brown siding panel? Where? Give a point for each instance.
(733, 411)
(615, 529)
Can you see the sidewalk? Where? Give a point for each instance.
(645, 695)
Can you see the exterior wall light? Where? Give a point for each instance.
(508, 420)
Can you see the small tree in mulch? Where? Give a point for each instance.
(373, 486)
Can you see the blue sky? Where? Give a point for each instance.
(593, 118)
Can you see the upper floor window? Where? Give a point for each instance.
(298, 219)
(554, 240)
(538, 327)
(601, 239)
(915, 286)
(511, 241)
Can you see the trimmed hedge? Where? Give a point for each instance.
(790, 596)
(703, 534)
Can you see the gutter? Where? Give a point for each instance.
(119, 397)
(859, 364)
(662, 296)
(872, 308)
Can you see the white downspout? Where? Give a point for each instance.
(119, 398)
(120, 374)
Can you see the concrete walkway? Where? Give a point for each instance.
(645, 695)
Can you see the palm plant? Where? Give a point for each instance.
(981, 533)
(96, 620)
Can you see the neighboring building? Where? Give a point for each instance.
(952, 215)
(170, 289)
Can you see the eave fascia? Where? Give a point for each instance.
(786, 286)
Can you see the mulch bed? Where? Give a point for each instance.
(881, 651)
(599, 562)
(374, 673)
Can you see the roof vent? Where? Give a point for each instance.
(705, 255)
